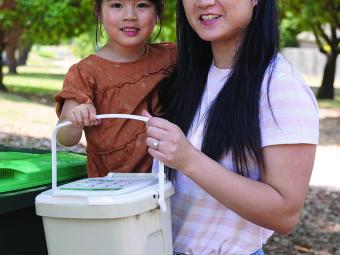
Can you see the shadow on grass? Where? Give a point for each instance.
(328, 103)
(43, 99)
(23, 143)
(316, 89)
(21, 149)
(31, 90)
(39, 75)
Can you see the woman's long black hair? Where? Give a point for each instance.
(232, 123)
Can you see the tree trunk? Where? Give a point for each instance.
(13, 40)
(23, 54)
(326, 90)
(4, 5)
(2, 46)
(2, 86)
(11, 61)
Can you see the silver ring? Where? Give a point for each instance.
(155, 144)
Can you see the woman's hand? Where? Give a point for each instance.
(173, 148)
(83, 115)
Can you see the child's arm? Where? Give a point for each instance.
(80, 115)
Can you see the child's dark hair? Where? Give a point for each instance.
(159, 4)
(233, 119)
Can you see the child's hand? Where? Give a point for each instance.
(83, 115)
(167, 143)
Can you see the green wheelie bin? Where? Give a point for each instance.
(23, 175)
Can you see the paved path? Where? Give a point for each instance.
(326, 170)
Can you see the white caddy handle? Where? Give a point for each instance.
(161, 174)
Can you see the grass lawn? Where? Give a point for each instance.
(41, 76)
(33, 82)
(326, 103)
(28, 109)
(21, 115)
(331, 104)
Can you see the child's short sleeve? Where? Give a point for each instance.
(78, 85)
(292, 115)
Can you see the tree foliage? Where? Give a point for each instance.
(53, 22)
(289, 28)
(169, 24)
(6, 12)
(43, 21)
(322, 17)
(50, 21)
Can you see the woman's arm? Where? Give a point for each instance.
(80, 115)
(274, 203)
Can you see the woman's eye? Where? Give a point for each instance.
(116, 5)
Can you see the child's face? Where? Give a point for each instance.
(128, 23)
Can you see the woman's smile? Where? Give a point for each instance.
(208, 19)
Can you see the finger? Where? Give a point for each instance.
(157, 133)
(78, 121)
(71, 117)
(156, 154)
(145, 113)
(153, 143)
(92, 115)
(161, 123)
(86, 116)
(98, 122)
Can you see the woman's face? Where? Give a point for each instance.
(219, 20)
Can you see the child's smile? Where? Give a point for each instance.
(128, 23)
(130, 31)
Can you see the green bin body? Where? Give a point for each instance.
(23, 176)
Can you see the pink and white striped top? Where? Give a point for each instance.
(200, 223)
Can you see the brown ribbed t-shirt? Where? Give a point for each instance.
(117, 145)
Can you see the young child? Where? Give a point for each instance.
(240, 128)
(120, 78)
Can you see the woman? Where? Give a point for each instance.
(239, 125)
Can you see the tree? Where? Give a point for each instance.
(289, 29)
(169, 26)
(6, 7)
(23, 23)
(322, 17)
(41, 21)
(2, 47)
(13, 41)
(51, 22)
(25, 47)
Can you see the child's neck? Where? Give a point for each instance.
(116, 53)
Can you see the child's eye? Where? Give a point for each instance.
(143, 5)
(116, 5)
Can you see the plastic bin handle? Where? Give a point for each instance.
(161, 175)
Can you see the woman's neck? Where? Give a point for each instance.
(224, 53)
(117, 53)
